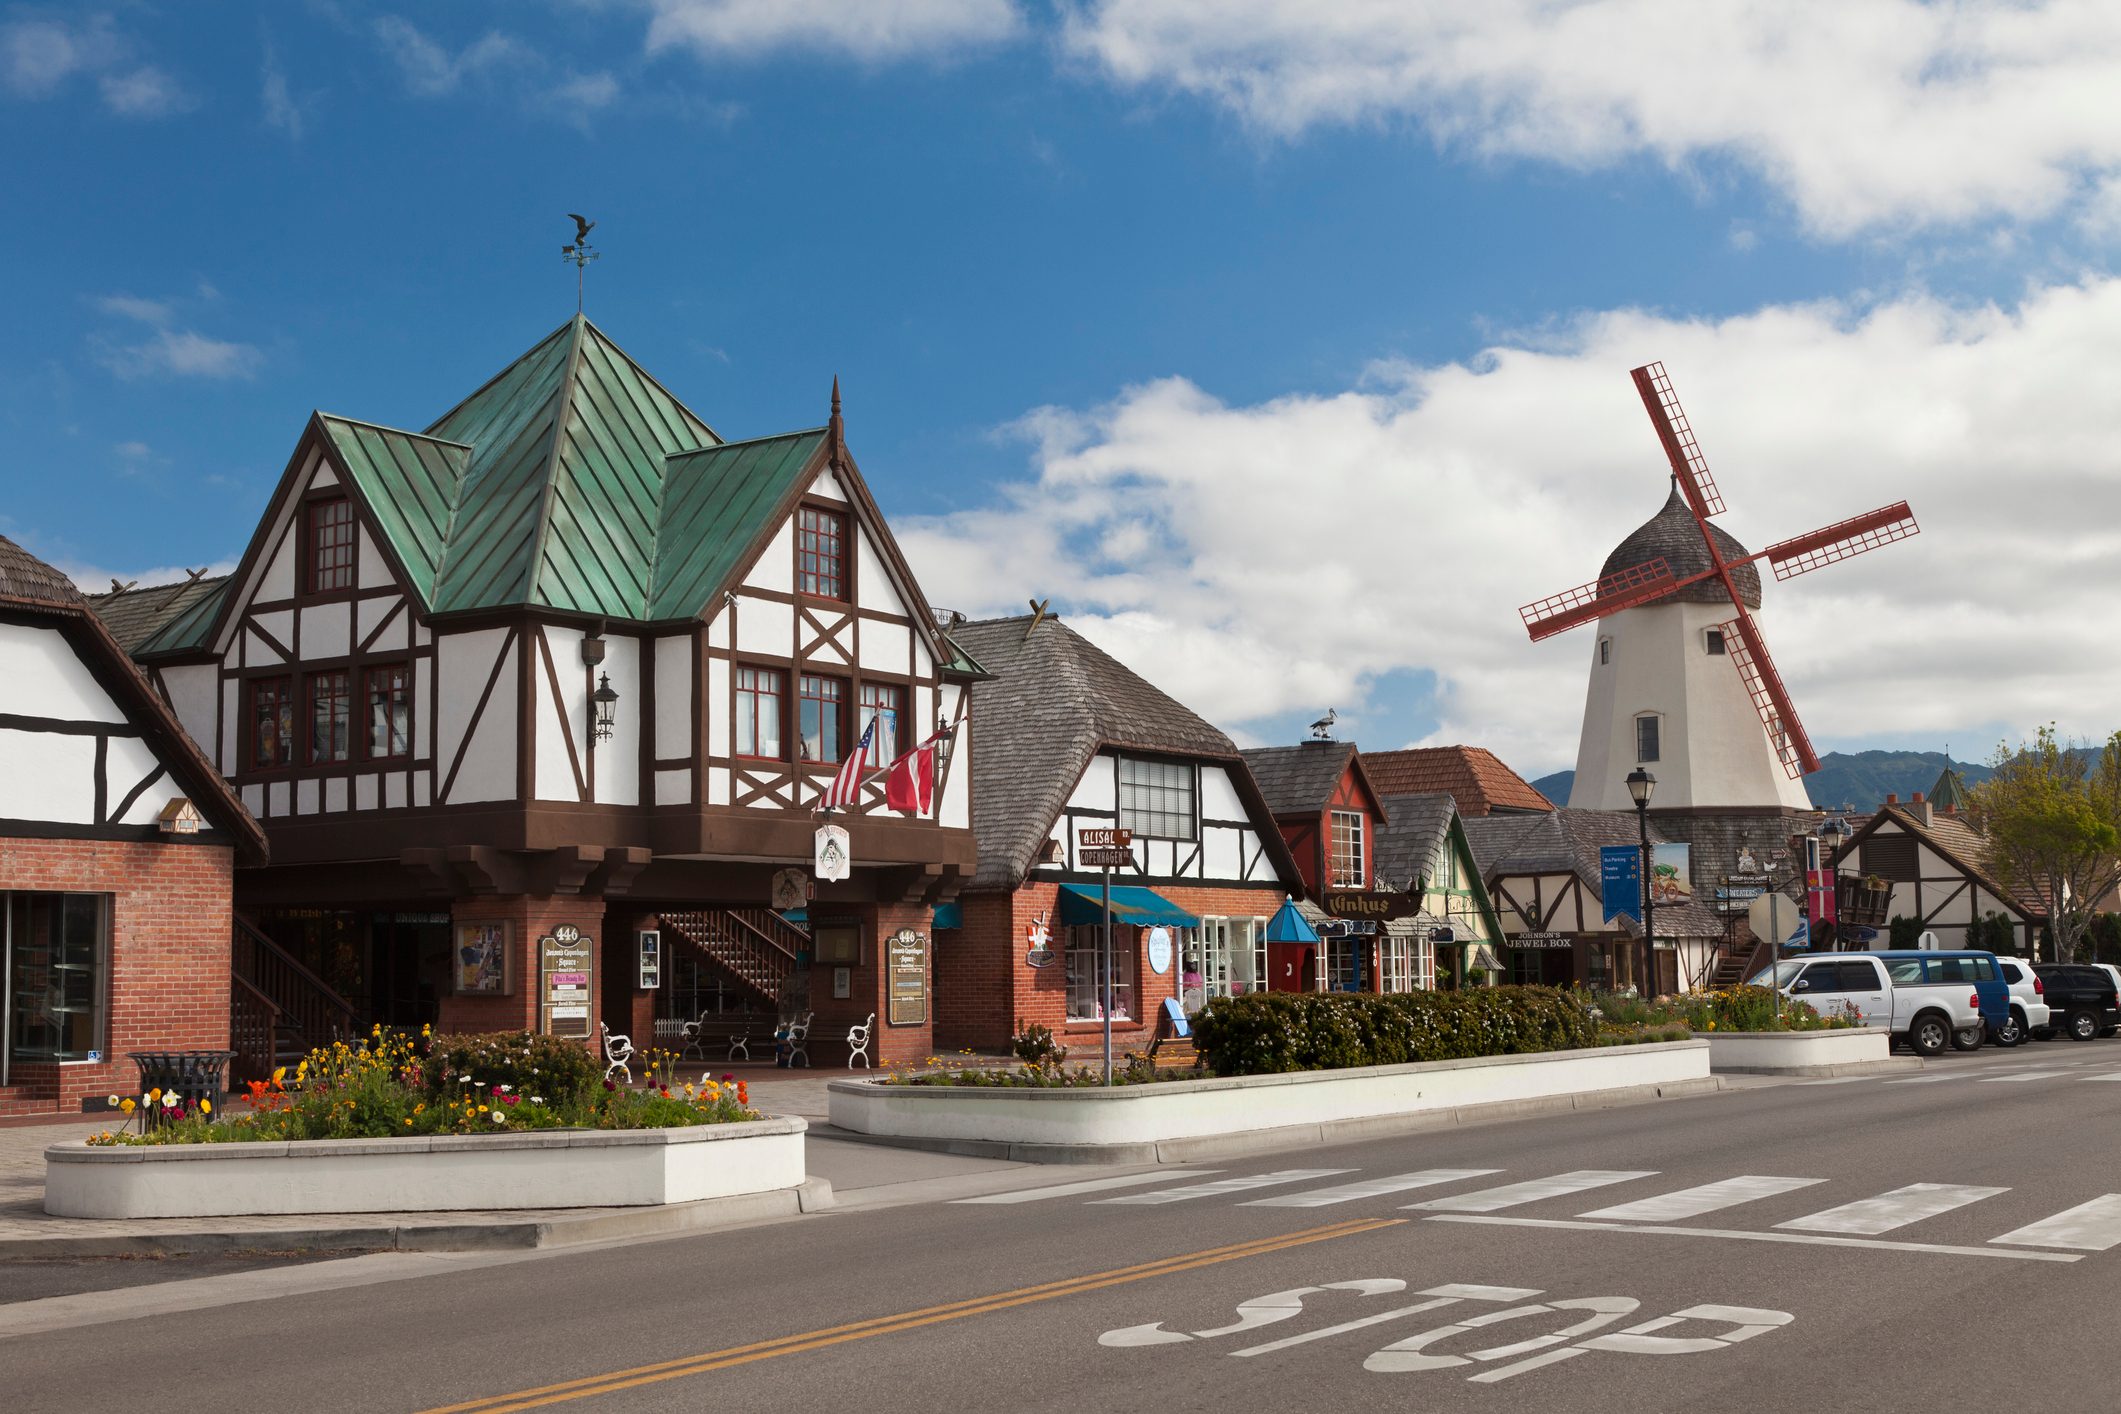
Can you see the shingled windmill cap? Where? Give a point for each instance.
(1674, 536)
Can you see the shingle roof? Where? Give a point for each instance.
(1959, 840)
(134, 616)
(1415, 827)
(1054, 698)
(26, 582)
(1567, 842)
(1674, 536)
(1299, 780)
(1471, 775)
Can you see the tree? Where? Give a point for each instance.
(1903, 932)
(2052, 815)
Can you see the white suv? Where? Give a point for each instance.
(2029, 1010)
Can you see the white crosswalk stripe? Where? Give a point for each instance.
(1366, 1188)
(2091, 1227)
(1511, 1195)
(1930, 1079)
(1912, 1204)
(1089, 1185)
(1708, 1198)
(2110, 1075)
(1225, 1185)
(2021, 1077)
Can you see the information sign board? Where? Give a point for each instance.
(906, 963)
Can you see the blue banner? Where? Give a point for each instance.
(1620, 881)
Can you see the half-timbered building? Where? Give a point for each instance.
(1938, 866)
(118, 845)
(535, 702)
(1072, 741)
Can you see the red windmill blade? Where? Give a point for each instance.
(1653, 580)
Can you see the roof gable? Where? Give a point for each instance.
(1300, 779)
(718, 503)
(410, 484)
(1472, 775)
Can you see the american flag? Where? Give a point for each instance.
(846, 787)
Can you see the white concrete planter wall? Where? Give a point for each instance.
(443, 1173)
(1128, 1117)
(1797, 1052)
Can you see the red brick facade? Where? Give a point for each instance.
(168, 986)
(984, 988)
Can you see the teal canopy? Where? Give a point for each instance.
(949, 915)
(1289, 926)
(1132, 904)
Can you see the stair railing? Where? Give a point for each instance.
(305, 1002)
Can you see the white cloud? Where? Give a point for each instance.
(282, 112)
(871, 30)
(92, 578)
(1273, 558)
(1881, 114)
(586, 93)
(145, 92)
(431, 70)
(166, 349)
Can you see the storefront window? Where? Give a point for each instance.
(1398, 954)
(57, 966)
(1083, 946)
(1229, 954)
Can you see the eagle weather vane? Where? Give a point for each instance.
(579, 253)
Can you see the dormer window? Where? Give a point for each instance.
(1347, 861)
(821, 553)
(330, 533)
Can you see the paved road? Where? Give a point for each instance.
(1887, 1243)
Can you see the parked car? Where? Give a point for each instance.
(2029, 1009)
(1930, 1000)
(2112, 971)
(2082, 999)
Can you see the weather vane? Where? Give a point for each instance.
(579, 253)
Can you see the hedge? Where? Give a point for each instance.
(1263, 1033)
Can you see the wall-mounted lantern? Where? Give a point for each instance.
(606, 700)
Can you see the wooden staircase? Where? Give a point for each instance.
(279, 1010)
(756, 946)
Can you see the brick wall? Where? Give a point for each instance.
(529, 919)
(168, 987)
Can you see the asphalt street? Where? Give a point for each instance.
(1896, 1242)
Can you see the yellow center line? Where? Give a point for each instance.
(615, 1380)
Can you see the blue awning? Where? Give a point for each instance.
(1131, 904)
(1289, 926)
(949, 915)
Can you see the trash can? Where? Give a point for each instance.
(193, 1075)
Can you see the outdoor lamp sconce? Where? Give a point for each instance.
(1640, 785)
(606, 701)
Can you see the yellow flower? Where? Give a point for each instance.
(279, 1074)
(206, 1107)
(155, 1094)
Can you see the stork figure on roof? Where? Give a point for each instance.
(1676, 593)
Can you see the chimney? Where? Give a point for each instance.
(1922, 810)
(1892, 799)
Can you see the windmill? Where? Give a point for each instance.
(1644, 583)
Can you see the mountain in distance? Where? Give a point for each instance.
(1861, 779)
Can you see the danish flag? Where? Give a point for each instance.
(911, 787)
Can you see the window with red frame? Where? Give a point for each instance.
(331, 545)
(821, 553)
(821, 705)
(887, 705)
(389, 706)
(272, 722)
(760, 710)
(330, 717)
(1347, 859)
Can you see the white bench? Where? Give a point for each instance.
(858, 1043)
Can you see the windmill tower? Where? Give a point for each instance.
(1674, 606)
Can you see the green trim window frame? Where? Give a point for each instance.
(330, 717)
(330, 544)
(1159, 799)
(761, 713)
(821, 719)
(272, 722)
(57, 974)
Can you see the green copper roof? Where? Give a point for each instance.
(189, 629)
(411, 484)
(715, 503)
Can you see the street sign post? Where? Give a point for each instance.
(1106, 849)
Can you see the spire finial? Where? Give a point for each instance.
(836, 429)
(579, 254)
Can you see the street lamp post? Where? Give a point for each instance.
(1640, 785)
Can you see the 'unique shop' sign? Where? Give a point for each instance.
(906, 964)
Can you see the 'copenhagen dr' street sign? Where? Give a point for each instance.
(1103, 858)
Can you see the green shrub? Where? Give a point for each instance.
(552, 1066)
(1265, 1033)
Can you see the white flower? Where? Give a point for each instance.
(114, 1102)
(499, 1088)
(499, 1118)
(537, 1099)
(171, 1099)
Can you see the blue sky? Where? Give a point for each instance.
(1286, 360)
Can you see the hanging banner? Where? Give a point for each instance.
(831, 860)
(1620, 881)
(1671, 873)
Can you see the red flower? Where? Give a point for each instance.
(609, 1086)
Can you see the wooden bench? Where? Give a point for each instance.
(1172, 1048)
(733, 1030)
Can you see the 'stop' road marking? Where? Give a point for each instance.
(2092, 1227)
(1367, 1188)
(1510, 1195)
(1089, 1185)
(1895, 1209)
(1708, 1198)
(1224, 1185)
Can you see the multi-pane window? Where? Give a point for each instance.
(1084, 946)
(330, 717)
(759, 712)
(821, 553)
(1396, 962)
(272, 722)
(58, 965)
(389, 707)
(885, 704)
(1347, 855)
(331, 545)
(1156, 798)
(1345, 971)
(820, 717)
(1224, 957)
(1646, 738)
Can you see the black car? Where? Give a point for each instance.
(2082, 1002)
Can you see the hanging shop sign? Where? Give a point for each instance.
(1040, 938)
(1375, 905)
(565, 960)
(906, 963)
(791, 890)
(1620, 881)
(1159, 950)
(651, 949)
(831, 860)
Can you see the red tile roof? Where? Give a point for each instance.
(1471, 775)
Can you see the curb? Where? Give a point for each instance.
(1814, 1072)
(1297, 1136)
(603, 1225)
